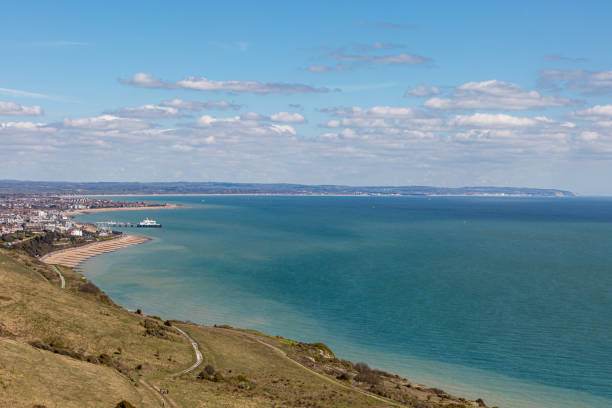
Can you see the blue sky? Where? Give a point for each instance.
(400, 93)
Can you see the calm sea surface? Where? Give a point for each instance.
(505, 299)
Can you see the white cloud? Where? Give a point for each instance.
(287, 117)
(393, 59)
(421, 91)
(495, 95)
(283, 129)
(14, 109)
(250, 123)
(589, 136)
(25, 127)
(198, 106)
(105, 122)
(146, 80)
(596, 112)
(499, 120)
(598, 82)
(367, 54)
(147, 111)
(373, 112)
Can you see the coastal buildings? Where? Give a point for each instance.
(37, 213)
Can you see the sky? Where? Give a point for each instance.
(444, 93)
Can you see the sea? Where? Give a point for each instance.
(499, 298)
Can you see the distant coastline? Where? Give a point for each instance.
(304, 195)
(271, 189)
(98, 210)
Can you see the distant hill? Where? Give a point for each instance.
(54, 187)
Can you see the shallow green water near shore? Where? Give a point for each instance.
(505, 299)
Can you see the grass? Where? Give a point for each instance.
(30, 377)
(272, 379)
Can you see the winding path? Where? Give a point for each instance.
(60, 276)
(324, 377)
(196, 350)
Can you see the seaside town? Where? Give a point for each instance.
(25, 216)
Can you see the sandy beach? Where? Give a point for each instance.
(73, 256)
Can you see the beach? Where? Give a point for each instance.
(73, 256)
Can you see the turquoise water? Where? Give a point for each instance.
(505, 299)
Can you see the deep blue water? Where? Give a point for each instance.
(506, 298)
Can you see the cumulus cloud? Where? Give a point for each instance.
(495, 95)
(146, 80)
(14, 109)
(421, 91)
(25, 127)
(147, 111)
(597, 82)
(250, 123)
(598, 112)
(198, 106)
(589, 136)
(373, 112)
(380, 123)
(105, 122)
(287, 117)
(497, 120)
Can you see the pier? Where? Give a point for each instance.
(107, 225)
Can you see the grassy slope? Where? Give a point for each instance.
(30, 376)
(272, 379)
(34, 309)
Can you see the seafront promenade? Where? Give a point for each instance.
(73, 256)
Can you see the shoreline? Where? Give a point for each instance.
(319, 195)
(71, 257)
(99, 210)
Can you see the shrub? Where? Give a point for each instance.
(124, 404)
(89, 287)
(155, 329)
(210, 370)
(369, 377)
(344, 377)
(362, 367)
(241, 382)
(105, 359)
